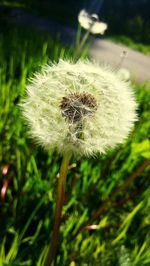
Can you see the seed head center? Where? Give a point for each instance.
(77, 105)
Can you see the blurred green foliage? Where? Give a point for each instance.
(144, 48)
(130, 18)
(110, 191)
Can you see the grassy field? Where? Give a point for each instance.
(111, 191)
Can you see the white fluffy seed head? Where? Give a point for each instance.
(91, 22)
(82, 107)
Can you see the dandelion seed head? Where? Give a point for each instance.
(77, 105)
(91, 22)
(83, 107)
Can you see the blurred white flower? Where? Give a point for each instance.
(82, 107)
(124, 74)
(123, 256)
(91, 23)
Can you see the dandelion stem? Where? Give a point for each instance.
(81, 44)
(78, 36)
(59, 206)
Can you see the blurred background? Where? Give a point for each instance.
(128, 17)
(111, 191)
(128, 24)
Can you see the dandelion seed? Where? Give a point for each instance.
(80, 107)
(91, 22)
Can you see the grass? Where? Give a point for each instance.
(111, 191)
(143, 48)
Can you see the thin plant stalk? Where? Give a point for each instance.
(80, 45)
(123, 56)
(59, 206)
(78, 36)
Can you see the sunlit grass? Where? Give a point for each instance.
(110, 191)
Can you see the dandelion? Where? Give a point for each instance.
(91, 22)
(79, 109)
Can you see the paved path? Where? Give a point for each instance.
(136, 62)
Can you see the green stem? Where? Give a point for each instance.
(78, 50)
(59, 206)
(78, 35)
